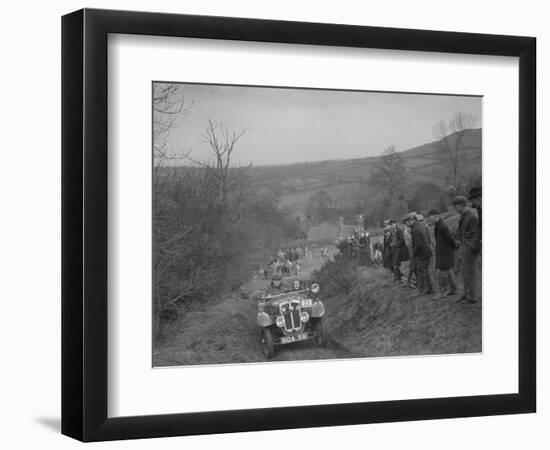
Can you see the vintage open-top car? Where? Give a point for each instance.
(292, 316)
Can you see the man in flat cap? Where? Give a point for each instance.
(468, 238)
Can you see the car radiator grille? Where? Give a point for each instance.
(291, 314)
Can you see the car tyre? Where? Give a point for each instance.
(267, 343)
(321, 335)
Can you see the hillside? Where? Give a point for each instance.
(341, 178)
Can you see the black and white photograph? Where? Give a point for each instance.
(257, 225)
(300, 224)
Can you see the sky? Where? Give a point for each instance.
(286, 126)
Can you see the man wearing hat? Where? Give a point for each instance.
(422, 251)
(468, 238)
(276, 286)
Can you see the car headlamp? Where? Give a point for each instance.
(304, 316)
(315, 288)
(280, 321)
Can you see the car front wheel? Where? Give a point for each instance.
(321, 336)
(267, 343)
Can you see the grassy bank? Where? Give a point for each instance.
(373, 316)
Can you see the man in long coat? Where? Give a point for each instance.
(364, 248)
(470, 244)
(445, 247)
(397, 242)
(474, 196)
(430, 284)
(386, 250)
(422, 251)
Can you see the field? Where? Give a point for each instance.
(343, 178)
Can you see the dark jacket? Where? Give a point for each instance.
(479, 219)
(397, 238)
(420, 241)
(479, 224)
(386, 253)
(405, 254)
(397, 243)
(445, 246)
(468, 231)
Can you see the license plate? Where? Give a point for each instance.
(295, 338)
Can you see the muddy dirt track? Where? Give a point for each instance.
(388, 321)
(227, 332)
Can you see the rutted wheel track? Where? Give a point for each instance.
(384, 320)
(227, 332)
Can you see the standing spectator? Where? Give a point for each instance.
(475, 199)
(364, 248)
(445, 247)
(421, 251)
(386, 250)
(288, 254)
(349, 247)
(470, 244)
(278, 267)
(377, 253)
(397, 242)
(412, 272)
(430, 284)
(412, 261)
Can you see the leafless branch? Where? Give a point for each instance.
(450, 135)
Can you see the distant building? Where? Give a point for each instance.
(323, 232)
(331, 232)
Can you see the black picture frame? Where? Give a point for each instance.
(84, 224)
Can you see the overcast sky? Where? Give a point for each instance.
(284, 126)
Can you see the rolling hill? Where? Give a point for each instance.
(294, 184)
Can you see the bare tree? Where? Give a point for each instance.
(222, 143)
(451, 134)
(390, 175)
(168, 103)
